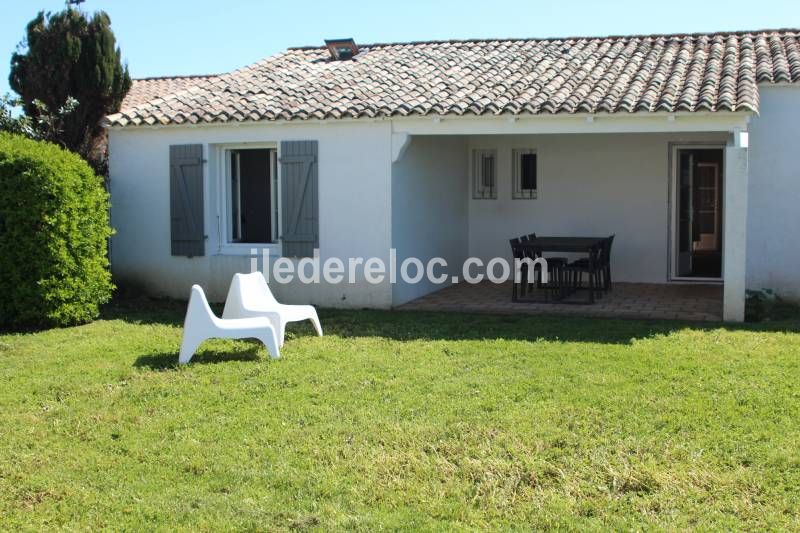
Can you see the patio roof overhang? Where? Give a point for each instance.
(403, 128)
(659, 122)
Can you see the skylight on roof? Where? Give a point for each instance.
(341, 49)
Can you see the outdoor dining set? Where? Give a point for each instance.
(590, 273)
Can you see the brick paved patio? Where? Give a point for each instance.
(626, 300)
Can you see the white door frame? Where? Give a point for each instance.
(672, 241)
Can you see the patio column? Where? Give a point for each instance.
(735, 228)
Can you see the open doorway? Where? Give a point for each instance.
(697, 213)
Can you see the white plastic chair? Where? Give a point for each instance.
(201, 323)
(249, 296)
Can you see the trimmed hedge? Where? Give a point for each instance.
(54, 230)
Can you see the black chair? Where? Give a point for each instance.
(597, 267)
(518, 253)
(526, 283)
(555, 260)
(607, 263)
(555, 267)
(590, 266)
(555, 270)
(526, 253)
(603, 262)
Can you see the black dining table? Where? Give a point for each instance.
(587, 245)
(564, 244)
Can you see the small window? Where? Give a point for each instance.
(526, 180)
(484, 174)
(252, 196)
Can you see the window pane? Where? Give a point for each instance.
(484, 174)
(251, 196)
(236, 230)
(528, 172)
(488, 171)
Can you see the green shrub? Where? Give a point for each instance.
(766, 306)
(54, 230)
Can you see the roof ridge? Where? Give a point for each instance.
(692, 35)
(175, 77)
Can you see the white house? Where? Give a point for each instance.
(684, 146)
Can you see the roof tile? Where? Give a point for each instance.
(699, 72)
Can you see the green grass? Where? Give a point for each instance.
(402, 420)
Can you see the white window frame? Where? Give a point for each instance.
(224, 212)
(479, 191)
(517, 192)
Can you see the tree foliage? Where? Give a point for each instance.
(69, 55)
(46, 126)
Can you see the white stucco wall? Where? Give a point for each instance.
(354, 191)
(773, 222)
(429, 209)
(589, 185)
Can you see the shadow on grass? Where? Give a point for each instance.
(169, 360)
(129, 306)
(417, 325)
(144, 310)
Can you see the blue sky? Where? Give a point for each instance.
(163, 37)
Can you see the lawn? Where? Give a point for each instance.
(402, 420)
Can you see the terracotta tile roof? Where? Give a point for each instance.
(145, 89)
(670, 73)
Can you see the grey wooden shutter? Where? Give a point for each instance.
(299, 198)
(186, 199)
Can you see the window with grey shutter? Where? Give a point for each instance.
(299, 198)
(186, 199)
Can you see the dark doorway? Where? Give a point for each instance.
(251, 196)
(699, 212)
